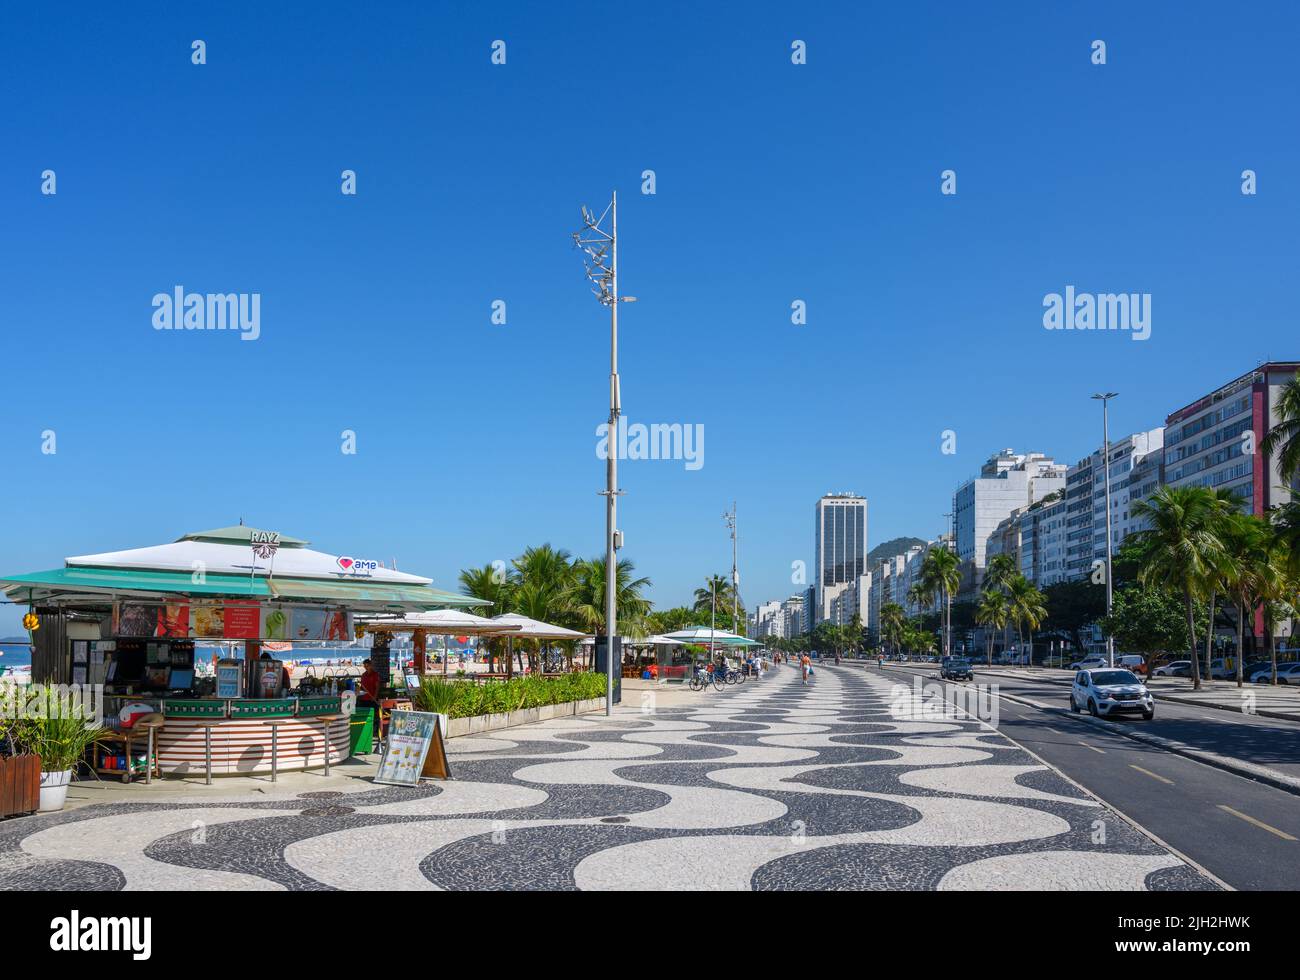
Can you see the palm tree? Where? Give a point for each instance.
(892, 618)
(1282, 440)
(587, 596)
(716, 595)
(1028, 607)
(991, 614)
(1225, 569)
(1277, 592)
(942, 573)
(545, 578)
(1002, 569)
(495, 585)
(1183, 547)
(1245, 537)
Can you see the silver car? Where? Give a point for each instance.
(1110, 691)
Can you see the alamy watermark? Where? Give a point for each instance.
(675, 440)
(38, 702)
(929, 701)
(1098, 311)
(179, 310)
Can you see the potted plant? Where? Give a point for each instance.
(20, 770)
(437, 696)
(61, 739)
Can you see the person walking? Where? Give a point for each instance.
(805, 665)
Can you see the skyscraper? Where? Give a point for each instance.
(841, 541)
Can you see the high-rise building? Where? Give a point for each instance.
(840, 538)
(1008, 481)
(1217, 440)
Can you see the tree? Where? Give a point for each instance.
(1246, 538)
(991, 614)
(588, 596)
(671, 620)
(717, 588)
(1073, 606)
(941, 572)
(1027, 609)
(1183, 547)
(1282, 440)
(1150, 621)
(999, 575)
(892, 619)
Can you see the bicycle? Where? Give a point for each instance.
(704, 677)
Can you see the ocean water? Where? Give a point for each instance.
(15, 655)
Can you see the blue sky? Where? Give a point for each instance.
(775, 182)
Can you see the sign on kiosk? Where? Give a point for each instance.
(414, 749)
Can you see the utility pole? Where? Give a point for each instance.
(1105, 463)
(730, 518)
(601, 250)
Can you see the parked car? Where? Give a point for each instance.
(1088, 663)
(1174, 668)
(1111, 691)
(1225, 669)
(1286, 674)
(956, 669)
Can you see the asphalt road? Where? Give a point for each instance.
(1244, 832)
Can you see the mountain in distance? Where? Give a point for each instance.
(888, 549)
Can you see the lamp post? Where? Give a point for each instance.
(730, 518)
(601, 250)
(1105, 398)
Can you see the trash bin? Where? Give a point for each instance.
(362, 732)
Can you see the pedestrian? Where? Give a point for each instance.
(805, 665)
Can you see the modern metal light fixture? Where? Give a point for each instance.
(1105, 398)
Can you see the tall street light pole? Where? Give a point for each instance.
(601, 250)
(1105, 398)
(730, 518)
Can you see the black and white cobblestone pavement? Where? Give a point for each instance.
(847, 783)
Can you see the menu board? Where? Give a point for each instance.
(232, 620)
(242, 621)
(411, 737)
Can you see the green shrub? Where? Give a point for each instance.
(464, 699)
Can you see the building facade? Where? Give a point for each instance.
(1216, 441)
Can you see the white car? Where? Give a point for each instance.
(1175, 668)
(1088, 663)
(1286, 674)
(1111, 691)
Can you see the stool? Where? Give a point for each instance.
(151, 723)
(326, 721)
(275, 724)
(207, 727)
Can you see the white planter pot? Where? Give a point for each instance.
(54, 790)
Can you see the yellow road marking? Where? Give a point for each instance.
(1258, 823)
(1094, 748)
(1151, 774)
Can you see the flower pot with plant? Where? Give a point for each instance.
(61, 738)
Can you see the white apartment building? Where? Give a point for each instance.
(1125, 455)
(1008, 481)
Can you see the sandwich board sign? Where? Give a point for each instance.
(413, 750)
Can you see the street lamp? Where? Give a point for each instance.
(601, 250)
(1105, 398)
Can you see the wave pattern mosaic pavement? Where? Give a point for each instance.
(850, 782)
